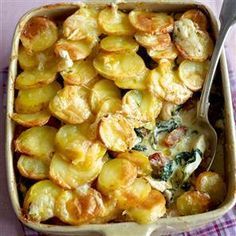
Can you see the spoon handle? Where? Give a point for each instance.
(228, 17)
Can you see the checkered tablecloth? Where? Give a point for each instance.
(10, 12)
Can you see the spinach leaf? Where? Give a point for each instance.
(167, 126)
(139, 147)
(167, 170)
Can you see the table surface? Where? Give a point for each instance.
(10, 12)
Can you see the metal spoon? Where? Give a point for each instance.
(227, 18)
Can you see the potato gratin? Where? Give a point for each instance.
(105, 105)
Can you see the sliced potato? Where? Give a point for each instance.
(119, 65)
(34, 100)
(70, 176)
(197, 17)
(102, 90)
(36, 141)
(71, 104)
(29, 120)
(169, 53)
(73, 143)
(136, 82)
(109, 106)
(33, 168)
(139, 160)
(115, 43)
(192, 202)
(39, 202)
(192, 43)
(117, 133)
(141, 106)
(39, 33)
(115, 22)
(150, 22)
(193, 74)
(166, 110)
(116, 174)
(82, 24)
(211, 183)
(74, 50)
(34, 79)
(27, 59)
(76, 209)
(133, 195)
(81, 73)
(155, 41)
(152, 208)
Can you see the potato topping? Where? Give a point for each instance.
(115, 43)
(39, 33)
(33, 167)
(37, 141)
(70, 176)
(115, 22)
(37, 99)
(74, 208)
(73, 143)
(117, 133)
(71, 105)
(39, 202)
(119, 65)
(150, 22)
(116, 174)
(29, 120)
(191, 42)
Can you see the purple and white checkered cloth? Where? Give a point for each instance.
(10, 12)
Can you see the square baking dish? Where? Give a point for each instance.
(163, 225)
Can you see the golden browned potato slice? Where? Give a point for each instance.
(29, 120)
(33, 168)
(133, 195)
(109, 106)
(116, 174)
(115, 43)
(154, 85)
(39, 203)
(75, 144)
(39, 33)
(34, 79)
(34, 100)
(37, 141)
(157, 41)
(139, 160)
(70, 176)
(141, 105)
(71, 105)
(192, 202)
(152, 208)
(119, 65)
(82, 24)
(72, 50)
(27, 59)
(76, 208)
(115, 22)
(136, 82)
(169, 53)
(81, 73)
(150, 22)
(197, 17)
(212, 184)
(166, 110)
(193, 73)
(102, 90)
(117, 133)
(192, 43)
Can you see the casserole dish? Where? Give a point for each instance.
(164, 225)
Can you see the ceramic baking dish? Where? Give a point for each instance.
(164, 225)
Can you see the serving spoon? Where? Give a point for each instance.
(227, 19)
